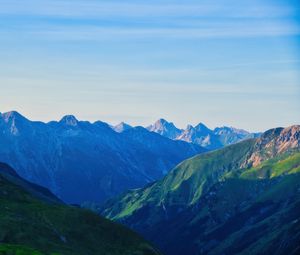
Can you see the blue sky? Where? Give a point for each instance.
(218, 62)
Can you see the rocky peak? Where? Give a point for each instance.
(121, 127)
(203, 129)
(275, 142)
(281, 138)
(161, 124)
(13, 120)
(189, 128)
(69, 120)
(165, 128)
(12, 116)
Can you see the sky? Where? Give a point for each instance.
(220, 62)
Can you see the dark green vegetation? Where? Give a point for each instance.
(6, 249)
(33, 221)
(242, 199)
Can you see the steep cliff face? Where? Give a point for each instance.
(274, 142)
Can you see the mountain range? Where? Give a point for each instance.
(83, 162)
(241, 199)
(202, 135)
(35, 222)
(221, 191)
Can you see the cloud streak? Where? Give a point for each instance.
(206, 31)
(93, 20)
(92, 8)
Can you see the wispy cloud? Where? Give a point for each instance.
(134, 20)
(93, 8)
(206, 31)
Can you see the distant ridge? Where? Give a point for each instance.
(83, 162)
(201, 134)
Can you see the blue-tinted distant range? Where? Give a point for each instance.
(85, 162)
(230, 62)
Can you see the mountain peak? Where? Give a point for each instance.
(227, 129)
(13, 120)
(189, 127)
(159, 124)
(165, 128)
(69, 120)
(12, 115)
(202, 127)
(276, 141)
(289, 134)
(162, 121)
(200, 135)
(122, 126)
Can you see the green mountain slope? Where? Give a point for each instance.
(238, 216)
(33, 221)
(239, 199)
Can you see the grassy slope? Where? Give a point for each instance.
(183, 185)
(7, 249)
(283, 164)
(240, 216)
(29, 225)
(275, 227)
(206, 191)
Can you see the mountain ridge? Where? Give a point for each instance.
(34, 224)
(87, 162)
(200, 134)
(175, 212)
